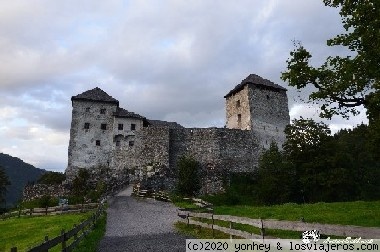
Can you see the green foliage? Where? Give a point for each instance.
(4, 182)
(80, 186)
(188, 176)
(275, 178)
(342, 84)
(52, 178)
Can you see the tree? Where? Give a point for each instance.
(4, 182)
(80, 184)
(52, 178)
(275, 178)
(344, 83)
(188, 183)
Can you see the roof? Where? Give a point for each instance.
(171, 125)
(254, 79)
(120, 112)
(96, 95)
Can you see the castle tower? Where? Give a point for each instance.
(261, 106)
(91, 138)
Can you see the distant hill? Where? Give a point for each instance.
(19, 173)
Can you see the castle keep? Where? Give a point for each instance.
(104, 135)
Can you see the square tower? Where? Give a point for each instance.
(261, 106)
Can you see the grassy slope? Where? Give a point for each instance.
(27, 232)
(345, 213)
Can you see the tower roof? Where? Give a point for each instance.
(254, 79)
(96, 95)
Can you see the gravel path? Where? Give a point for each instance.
(140, 225)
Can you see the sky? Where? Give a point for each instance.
(170, 60)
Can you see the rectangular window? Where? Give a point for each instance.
(88, 109)
(238, 103)
(239, 119)
(103, 126)
(120, 126)
(86, 125)
(118, 143)
(102, 111)
(133, 126)
(97, 142)
(131, 143)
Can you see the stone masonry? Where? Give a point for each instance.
(105, 135)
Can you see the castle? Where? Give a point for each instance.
(105, 135)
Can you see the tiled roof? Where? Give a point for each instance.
(254, 79)
(95, 94)
(120, 112)
(171, 125)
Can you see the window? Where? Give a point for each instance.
(238, 103)
(103, 126)
(97, 142)
(267, 97)
(88, 109)
(133, 126)
(117, 142)
(239, 119)
(120, 126)
(102, 111)
(131, 143)
(86, 125)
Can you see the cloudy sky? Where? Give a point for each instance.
(170, 59)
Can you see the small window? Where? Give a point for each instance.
(120, 126)
(86, 125)
(133, 126)
(238, 103)
(102, 111)
(97, 142)
(88, 109)
(239, 119)
(103, 126)
(118, 143)
(268, 97)
(131, 143)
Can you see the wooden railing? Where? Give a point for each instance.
(78, 232)
(263, 224)
(50, 210)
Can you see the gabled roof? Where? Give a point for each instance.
(254, 79)
(96, 95)
(171, 125)
(120, 112)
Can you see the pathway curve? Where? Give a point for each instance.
(140, 225)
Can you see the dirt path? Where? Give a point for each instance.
(140, 225)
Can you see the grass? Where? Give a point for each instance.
(90, 242)
(357, 213)
(26, 232)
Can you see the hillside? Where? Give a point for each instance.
(19, 173)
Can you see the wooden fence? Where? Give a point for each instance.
(50, 210)
(78, 232)
(262, 224)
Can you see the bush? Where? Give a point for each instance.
(188, 183)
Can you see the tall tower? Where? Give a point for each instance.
(91, 133)
(261, 106)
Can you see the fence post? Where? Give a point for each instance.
(46, 240)
(262, 230)
(188, 221)
(76, 234)
(31, 211)
(46, 209)
(63, 234)
(19, 210)
(230, 229)
(212, 226)
(14, 249)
